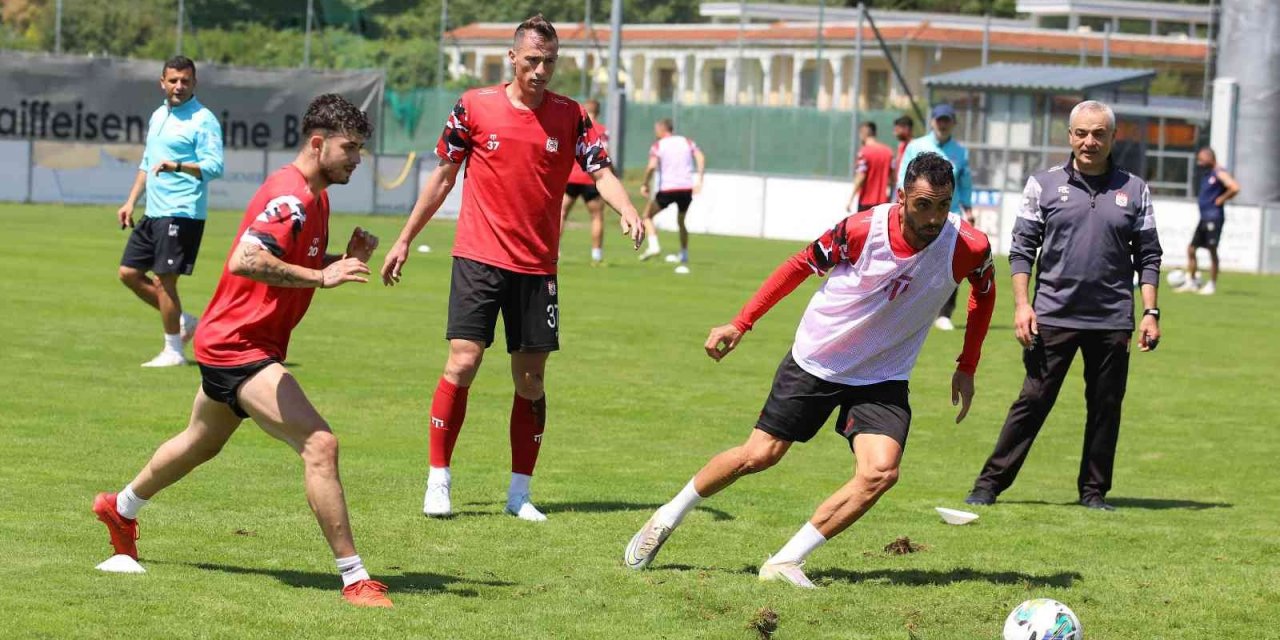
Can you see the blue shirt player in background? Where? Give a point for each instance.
(183, 153)
(942, 120)
(1216, 188)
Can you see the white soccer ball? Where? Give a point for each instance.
(1176, 278)
(1042, 619)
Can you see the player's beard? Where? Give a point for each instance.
(336, 174)
(924, 232)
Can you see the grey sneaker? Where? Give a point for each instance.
(644, 546)
(980, 498)
(789, 571)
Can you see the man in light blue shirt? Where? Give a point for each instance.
(940, 141)
(183, 153)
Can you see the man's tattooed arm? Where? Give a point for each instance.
(254, 261)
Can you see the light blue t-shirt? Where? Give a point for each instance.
(953, 151)
(190, 134)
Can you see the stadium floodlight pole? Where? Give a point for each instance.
(444, 26)
(615, 94)
(306, 40)
(584, 86)
(986, 39)
(181, 10)
(856, 98)
(57, 27)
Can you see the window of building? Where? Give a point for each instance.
(666, 85)
(492, 72)
(808, 87)
(715, 93)
(877, 90)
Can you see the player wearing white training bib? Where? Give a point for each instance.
(890, 269)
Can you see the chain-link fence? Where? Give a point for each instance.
(770, 140)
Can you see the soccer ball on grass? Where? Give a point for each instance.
(1042, 619)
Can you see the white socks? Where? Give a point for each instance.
(352, 570)
(672, 513)
(653, 244)
(597, 254)
(519, 486)
(173, 342)
(439, 475)
(806, 540)
(128, 502)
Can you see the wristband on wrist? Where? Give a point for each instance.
(1153, 312)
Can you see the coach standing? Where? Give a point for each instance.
(183, 153)
(1093, 227)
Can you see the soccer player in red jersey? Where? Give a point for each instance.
(890, 267)
(519, 141)
(277, 263)
(582, 185)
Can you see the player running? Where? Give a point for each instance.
(519, 141)
(891, 267)
(277, 263)
(581, 184)
(674, 158)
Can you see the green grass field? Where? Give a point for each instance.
(635, 408)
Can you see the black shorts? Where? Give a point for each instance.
(1207, 234)
(530, 306)
(800, 403)
(164, 245)
(681, 198)
(222, 384)
(587, 192)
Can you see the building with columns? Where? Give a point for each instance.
(776, 55)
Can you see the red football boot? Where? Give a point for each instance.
(124, 531)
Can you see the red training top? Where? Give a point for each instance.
(971, 259)
(249, 321)
(874, 159)
(518, 163)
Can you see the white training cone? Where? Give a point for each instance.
(422, 248)
(953, 516)
(121, 563)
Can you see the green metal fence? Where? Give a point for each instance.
(771, 140)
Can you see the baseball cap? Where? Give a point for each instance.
(943, 110)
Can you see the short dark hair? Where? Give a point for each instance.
(667, 124)
(592, 105)
(904, 121)
(335, 115)
(932, 167)
(179, 63)
(871, 126)
(538, 25)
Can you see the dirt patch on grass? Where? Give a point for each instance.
(902, 546)
(764, 623)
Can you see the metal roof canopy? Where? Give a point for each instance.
(1127, 9)
(1038, 77)
(809, 13)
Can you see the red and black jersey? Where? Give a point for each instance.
(249, 321)
(518, 163)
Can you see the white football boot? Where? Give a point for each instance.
(522, 507)
(788, 571)
(436, 502)
(166, 358)
(644, 546)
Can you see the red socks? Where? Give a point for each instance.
(448, 410)
(528, 420)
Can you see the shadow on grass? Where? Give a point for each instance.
(597, 506)
(1156, 504)
(403, 583)
(924, 578)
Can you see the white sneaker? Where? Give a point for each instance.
(943, 323)
(166, 358)
(671, 258)
(683, 269)
(436, 503)
(1208, 289)
(788, 571)
(1186, 287)
(649, 253)
(644, 546)
(188, 323)
(521, 507)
